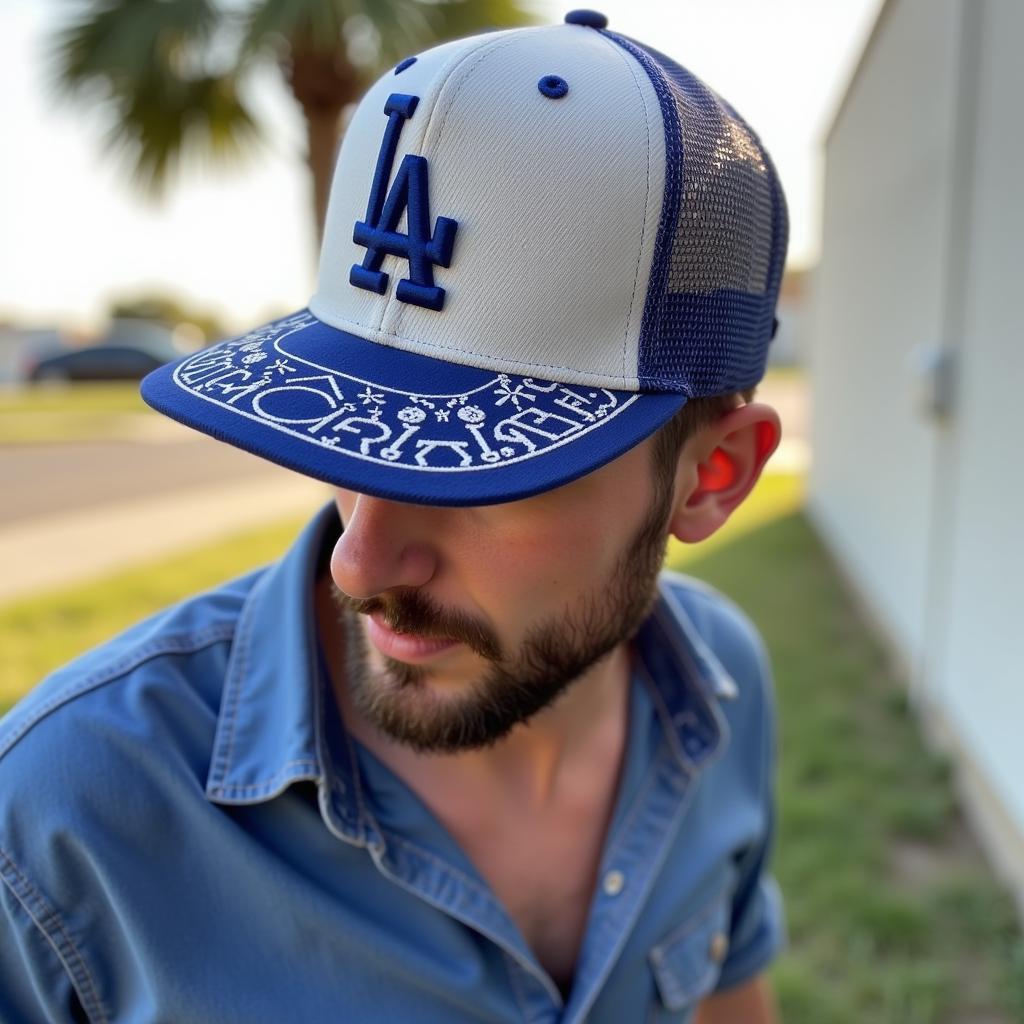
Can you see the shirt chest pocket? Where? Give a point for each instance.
(688, 962)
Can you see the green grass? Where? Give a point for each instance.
(785, 374)
(871, 939)
(70, 412)
(892, 918)
(39, 633)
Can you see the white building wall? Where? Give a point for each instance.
(785, 347)
(879, 297)
(976, 659)
(922, 242)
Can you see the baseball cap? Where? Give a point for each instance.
(540, 243)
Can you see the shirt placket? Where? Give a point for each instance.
(442, 885)
(632, 862)
(445, 887)
(692, 734)
(422, 872)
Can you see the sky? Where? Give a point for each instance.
(74, 234)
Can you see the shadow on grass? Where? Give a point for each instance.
(893, 916)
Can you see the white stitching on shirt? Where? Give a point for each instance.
(58, 935)
(223, 764)
(268, 785)
(134, 660)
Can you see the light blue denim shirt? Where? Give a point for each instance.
(187, 835)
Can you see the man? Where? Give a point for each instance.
(462, 755)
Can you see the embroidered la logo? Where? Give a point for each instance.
(379, 232)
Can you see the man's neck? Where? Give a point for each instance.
(531, 812)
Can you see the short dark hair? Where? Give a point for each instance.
(697, 413)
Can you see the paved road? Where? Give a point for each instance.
(49, 479)
(56, 551)
(79, 511)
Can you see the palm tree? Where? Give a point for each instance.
(173, 73)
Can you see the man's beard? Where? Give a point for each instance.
(553, 654)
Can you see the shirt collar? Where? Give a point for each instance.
(687, 679)
(267, 729)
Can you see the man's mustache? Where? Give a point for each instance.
(409, 611)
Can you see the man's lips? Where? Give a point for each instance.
(406, 647)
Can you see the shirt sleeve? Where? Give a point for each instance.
(758, 926)
(34, 983)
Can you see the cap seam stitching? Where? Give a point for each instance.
(675, 178)
(473, 58)
(643, 229)
(481, 355)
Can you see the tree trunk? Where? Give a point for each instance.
(323, 83)
(323, 132)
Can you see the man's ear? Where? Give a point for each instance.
(718, 468)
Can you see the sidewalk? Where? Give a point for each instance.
(61, 550)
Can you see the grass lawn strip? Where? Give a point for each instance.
(40, 633)
(94, 412)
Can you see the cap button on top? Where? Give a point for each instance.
(591, 19)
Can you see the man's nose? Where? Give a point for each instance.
(384, 544)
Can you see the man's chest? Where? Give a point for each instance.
(397, 933)
(543, 870)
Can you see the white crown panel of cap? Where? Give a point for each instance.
(557, 201)
(336, 301)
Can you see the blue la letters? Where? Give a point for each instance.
(410, 194)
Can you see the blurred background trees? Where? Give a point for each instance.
(173, 74)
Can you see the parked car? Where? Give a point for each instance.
(98, 362)
(128, 351)
(22, 347)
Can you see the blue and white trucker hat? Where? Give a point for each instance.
(540, 243)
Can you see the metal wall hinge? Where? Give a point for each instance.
(934, 368)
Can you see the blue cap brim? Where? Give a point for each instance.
(397, 424)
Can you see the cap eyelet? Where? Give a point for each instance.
(553, 86)
(407, 63)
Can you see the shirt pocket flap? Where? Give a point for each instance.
(688, 962)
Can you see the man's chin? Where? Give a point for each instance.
(455, 682)
(409, 706)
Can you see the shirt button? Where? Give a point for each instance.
(693, 745)
(719, 946)
(614, 882)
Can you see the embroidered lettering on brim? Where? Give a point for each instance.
(505, 420)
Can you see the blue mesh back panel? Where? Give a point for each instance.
(721, 242)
